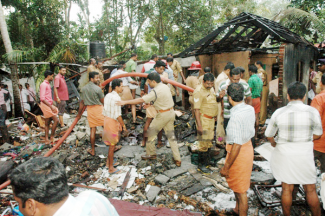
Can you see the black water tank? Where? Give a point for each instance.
(97, 49)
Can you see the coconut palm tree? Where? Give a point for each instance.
(302, 22)
(12, 65)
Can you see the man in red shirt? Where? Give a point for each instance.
(147, 66)
(47, 107)
(319, 103)
(61, 93)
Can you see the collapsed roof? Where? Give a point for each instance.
(246, 31)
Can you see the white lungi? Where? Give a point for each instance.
(8, 106)
(293, 163)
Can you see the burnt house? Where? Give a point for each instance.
(249, 38)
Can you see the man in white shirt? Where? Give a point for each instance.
(123, 63)
(24, 98)
(40, 187)
(113, 122)
(297, 125)
(126, 93)
(32, 95)
(147, 66)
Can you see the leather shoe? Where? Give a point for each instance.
(149, 157)
(178, 163)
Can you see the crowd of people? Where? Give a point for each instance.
(234, 106)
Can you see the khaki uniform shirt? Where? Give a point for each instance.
(206, 101)
(160, 96)
(91, 68)
(221, 78)
(176, 67)
(317, 79)
(262, 73)
(91, 94)
(201, 79)
(193, 82)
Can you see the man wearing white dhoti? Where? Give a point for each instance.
(292, 160)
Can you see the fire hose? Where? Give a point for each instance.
(66, 134)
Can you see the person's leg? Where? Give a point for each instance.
(55, 124)
(286, 198)
(220, 131)
(321, 158)
(236, 209)
(159, 139)
(169, 130)
(47, 128)
(312, 199)
(133, 110)
(92, 141)
(145, 131)
(156, 125)
(242, 203)
(133, 93)
(110, 159)
(257, 123)
(4, 108)
(61, 120)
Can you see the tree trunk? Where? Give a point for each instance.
(13, 67)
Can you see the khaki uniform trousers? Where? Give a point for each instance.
(220, 133)
(263, 113)
(191, 101)
(205, 140)
(164, 121)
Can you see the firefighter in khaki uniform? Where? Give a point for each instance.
(163, 102)
(151, 112)
(193, 81)
(317, 79)
(206, 110)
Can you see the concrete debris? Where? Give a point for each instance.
(152, 193)
(162, 179)
(262, 178)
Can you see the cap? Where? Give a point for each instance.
(195, 66)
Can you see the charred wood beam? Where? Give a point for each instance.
(230, 32)
(241, 17)
(239, 35)
(267, 29)
(239, 23)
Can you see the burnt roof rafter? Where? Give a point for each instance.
(244, 31)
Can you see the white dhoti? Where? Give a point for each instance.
(132, 86)
(24, 106)
(293, 163)
(8, 106)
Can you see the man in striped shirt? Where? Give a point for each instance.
(223, 97)
(239, 161)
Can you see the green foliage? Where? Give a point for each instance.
(306, 18)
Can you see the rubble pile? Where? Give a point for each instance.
(158, 183)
